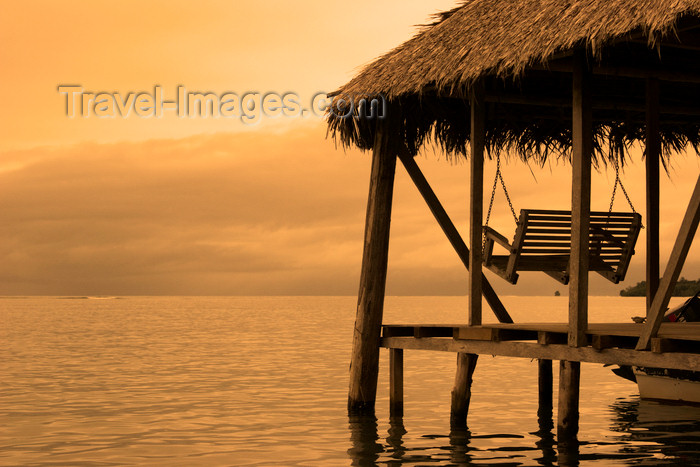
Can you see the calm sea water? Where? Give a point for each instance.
(263, 381)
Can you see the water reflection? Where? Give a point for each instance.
(546, 443)
(367, 450)
(459, 446)
(544, 419)
(568, 453)
(653, 431)
(648, 433)
(395, 440)
(367, 447)
(364, 440)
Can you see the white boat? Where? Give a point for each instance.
(668, 385)
(663, 384)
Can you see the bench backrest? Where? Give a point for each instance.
(613, 235)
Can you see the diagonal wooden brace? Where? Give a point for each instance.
(451, 232)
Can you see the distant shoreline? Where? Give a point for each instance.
(684, 288)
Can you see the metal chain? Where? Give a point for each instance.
(493, 191)
(499, 176)
(612, 198)
(488, 213)
(618, 181)
(505, 190)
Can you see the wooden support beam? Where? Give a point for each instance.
(630, 357)
(674, 266)
(396, 382)
(661, 345)
(653, 157)
(364, 365)
(673, 76)
(544, 386)
(548, 338)
(567, 413)
(452, 234)
(462, 390)
(493, 334)
(582, 147)
(600, 342)
(477, 140)
(608, 104)
(432, 331)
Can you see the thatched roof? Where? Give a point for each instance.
(520, 47)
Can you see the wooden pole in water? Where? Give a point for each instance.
(652, 155)
(396, 382)
(462, 390)
(569, 380)
(364, 364)
(545, 383)
(466, 363)
(582, 147)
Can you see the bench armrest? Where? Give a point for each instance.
(498, 238)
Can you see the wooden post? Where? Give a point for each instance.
(476, 201)
(544, 383)
(364, 365)
(653, 153)
(582, 147)
(673, 269)
(466, 363)
(569, 379)
(462, 391)
(452, 234)
(582, 142)
(396, 382)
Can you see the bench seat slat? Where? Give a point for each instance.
(556, 212)
(564, 251)
(566, 244)
(567, 238)
(541, 230)
(567, 225)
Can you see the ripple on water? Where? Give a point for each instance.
(262, 381)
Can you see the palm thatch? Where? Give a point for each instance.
(519, 48)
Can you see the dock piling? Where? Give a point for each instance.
(396, 382)
(544, 383)
(567, 416)
(462, 390)
(364, 364)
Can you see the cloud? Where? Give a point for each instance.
(254, 213)
(110, 216)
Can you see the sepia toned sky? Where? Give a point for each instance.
(216, 206)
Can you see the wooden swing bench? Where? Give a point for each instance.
(542, 242)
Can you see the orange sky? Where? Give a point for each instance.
(214, 206)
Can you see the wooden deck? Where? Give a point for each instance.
(676, 346)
